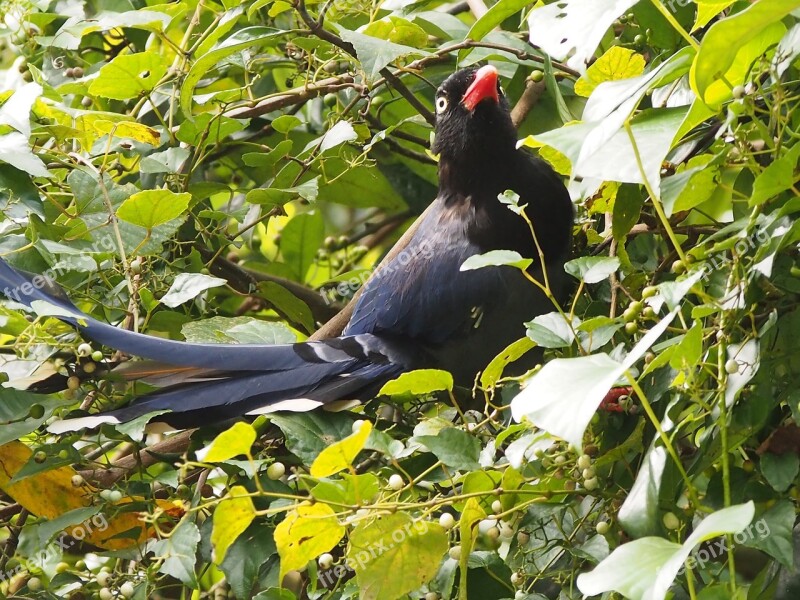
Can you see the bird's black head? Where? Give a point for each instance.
(473, 119)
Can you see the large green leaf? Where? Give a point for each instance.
(720, 64)
(129, 76)
(645, 568)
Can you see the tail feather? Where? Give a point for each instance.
(29, 289)
(209, 383)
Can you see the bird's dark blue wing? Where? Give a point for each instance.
(422, 294)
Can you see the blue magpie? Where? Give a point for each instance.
(420, 310)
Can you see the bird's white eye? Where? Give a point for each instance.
(441, 104)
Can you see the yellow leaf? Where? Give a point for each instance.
(467, 525)
(560, 163)
(616, 63)
(232, 442)
(129, 129)
(394, 555)
(49, 494)
(340, 455)
(707, 10)
(304, 534)
(231, 517)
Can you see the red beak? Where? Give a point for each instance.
(484, 86)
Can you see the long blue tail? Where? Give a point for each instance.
(243, 378)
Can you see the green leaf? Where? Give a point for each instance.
(340, 133)
(305, 533)
(231, 442)
(188, 286)
(551, 330)
(151, 208)
(780, 470)
(455, 448)
(375, 53)
(592, 269)
(232, 517)
(566, 410)
(573, 28)
(340, 455)
(776, 178)
(495, 258)
(640, 514)
(626, 211)
(245, 556)
(300, 239)
(514, 351)
(129, 76)
(308, 434)
(178, 552)
(15, 151)
(261, 332)
(496, 14)
(409, 555)
(74, 28)
(398, 31)
(616, 63)
(614, 160)
(168, 161)
(351, 489)
(720, 64)
(418, 383)
(34, 538)
(271, 158)
(244, 38)
(285, 123)
(646, 568)
(772, 532)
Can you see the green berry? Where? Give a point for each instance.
(62, 567)
(40, 456)
(631, 328)
(536, 76)
(276, 470)
(602, 527)
(127, 590)
(36, 411)
(649, 291)
(678, 267)
(447, 521)
(330, 100)
(84, 350)
(739, 92)
(732, 366)
(73, 383)
(671, 521)
(97, 356)
(34, 584)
